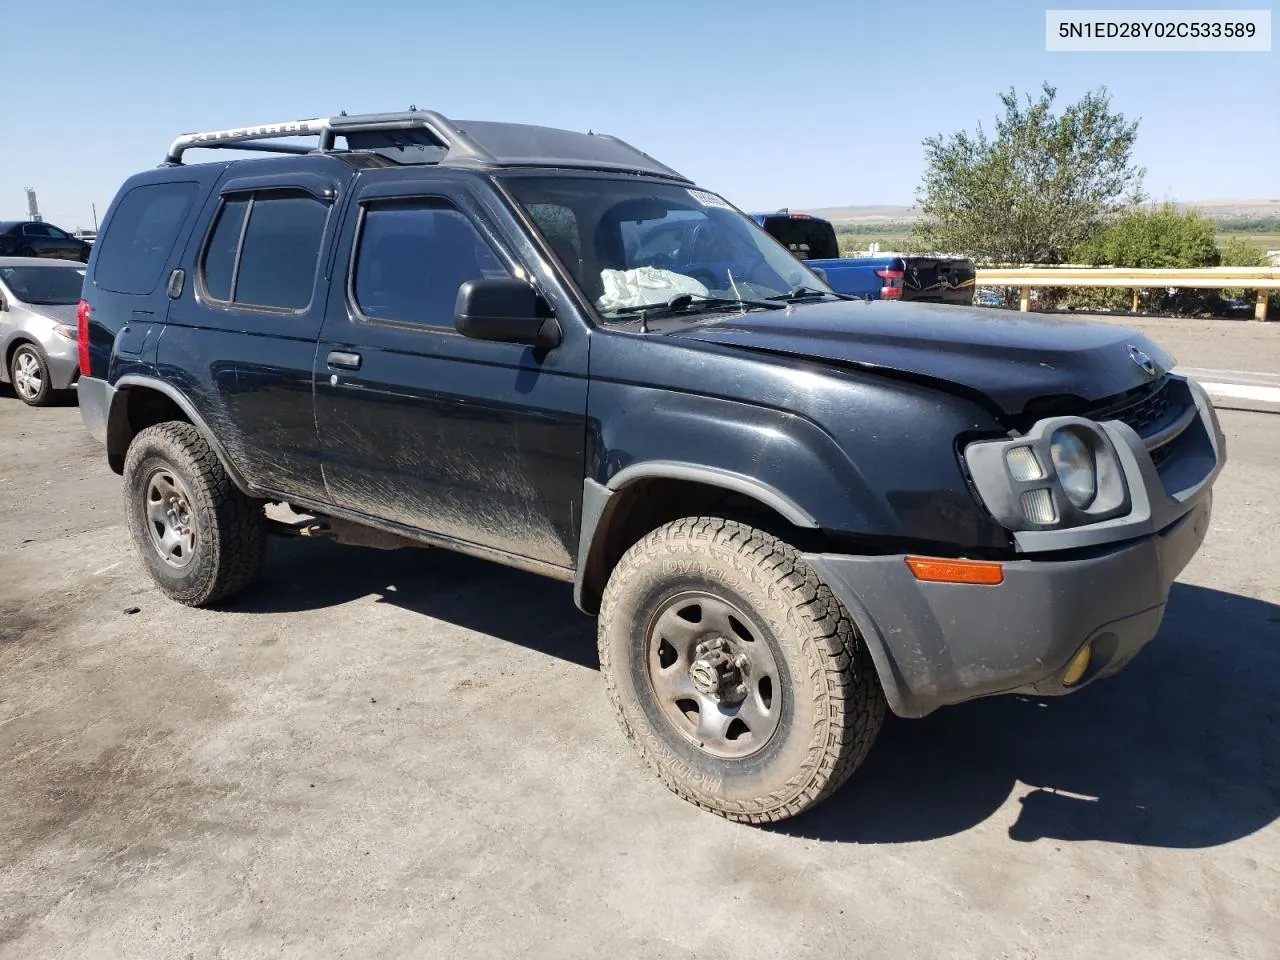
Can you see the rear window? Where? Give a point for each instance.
(271, 262)
(140, 236)
(807, 239)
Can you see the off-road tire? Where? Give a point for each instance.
(838, 705)
(46, 394)
(230, 529)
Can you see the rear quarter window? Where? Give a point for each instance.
(136, 245)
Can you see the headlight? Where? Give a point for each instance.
(1074, 462)
(65, 332)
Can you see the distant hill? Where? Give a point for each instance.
(890, 213)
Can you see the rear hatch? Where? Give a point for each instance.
(938, 279)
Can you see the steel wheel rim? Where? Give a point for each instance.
(170, 518)
(713, 674)
(26, 375)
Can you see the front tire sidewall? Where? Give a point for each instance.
(768, 784)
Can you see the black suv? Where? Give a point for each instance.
(787, 509)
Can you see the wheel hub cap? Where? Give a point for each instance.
(26, 375)
(717, 673)
(170, 519)
(713, 674)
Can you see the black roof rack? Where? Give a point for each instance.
(424, 136)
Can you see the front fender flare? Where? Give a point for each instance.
(596, 498)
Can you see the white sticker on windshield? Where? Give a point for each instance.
(709, 199)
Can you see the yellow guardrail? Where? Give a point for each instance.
(1263, 279)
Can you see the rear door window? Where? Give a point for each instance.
(140, 236)
(264, 250)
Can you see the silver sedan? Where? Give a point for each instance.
(38, 300)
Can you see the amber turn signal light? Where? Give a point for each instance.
(936, 570)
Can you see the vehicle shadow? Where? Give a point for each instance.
(511, 605)
(1180, 750)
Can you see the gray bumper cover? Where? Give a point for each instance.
(940, 643)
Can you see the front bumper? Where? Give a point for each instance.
(1104, 583)
(941, 643)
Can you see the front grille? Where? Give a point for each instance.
(1152, 411)
(1149, 414)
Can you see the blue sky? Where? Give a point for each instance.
(797, 104)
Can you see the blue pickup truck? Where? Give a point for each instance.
(893, 277)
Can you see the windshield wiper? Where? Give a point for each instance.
(683, 301)
(804, 293)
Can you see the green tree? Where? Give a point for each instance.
(1158, 236)
(1041, 186)
(1153, 237)
(1238, 252)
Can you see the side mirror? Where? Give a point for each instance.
(505, 310)
(821, 274)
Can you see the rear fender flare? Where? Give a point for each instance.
(120, 434)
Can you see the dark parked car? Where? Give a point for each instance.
(788, 510)
(35, 238)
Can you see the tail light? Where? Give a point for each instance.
(892, 289)
(84, 313)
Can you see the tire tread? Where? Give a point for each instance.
(235, 529)
(844, 667)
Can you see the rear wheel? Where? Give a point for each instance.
(29, 375)
(201, 539)
(734, 670)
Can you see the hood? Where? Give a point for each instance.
(55, 312)
(1010, 358)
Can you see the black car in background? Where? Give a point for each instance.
(34, 238)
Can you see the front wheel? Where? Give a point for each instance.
(734, 670)
(201, 539)
(29, 375)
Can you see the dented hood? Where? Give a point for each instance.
(1011, 358)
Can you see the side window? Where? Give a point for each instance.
(35, 230)
(138, 239)
(271, 261)
(55, 232)
(412, 256)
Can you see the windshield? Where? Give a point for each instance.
(629, 244)
(47, 286)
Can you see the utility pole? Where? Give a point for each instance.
(94, 208)
(33, 208)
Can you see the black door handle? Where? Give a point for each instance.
(344, 360)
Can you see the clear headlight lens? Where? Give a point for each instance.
(1074, 463)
